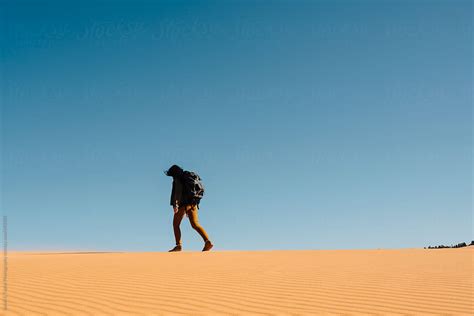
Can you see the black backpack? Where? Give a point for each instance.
(193, 189)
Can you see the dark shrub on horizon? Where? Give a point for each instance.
(460, 245)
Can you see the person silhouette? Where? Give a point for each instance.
(184, 204)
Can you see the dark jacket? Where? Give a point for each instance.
(177, 196)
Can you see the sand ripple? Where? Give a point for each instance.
(338, 282)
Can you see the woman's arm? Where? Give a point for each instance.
(176, 194)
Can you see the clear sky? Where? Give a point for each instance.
(314, 124)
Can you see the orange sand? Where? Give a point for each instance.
(335, 282)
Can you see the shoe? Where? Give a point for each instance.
(176, 248)
(207, 246)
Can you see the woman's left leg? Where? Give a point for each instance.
(192, 212)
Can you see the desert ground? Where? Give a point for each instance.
(329, 282)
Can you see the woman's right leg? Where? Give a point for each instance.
(177, 218)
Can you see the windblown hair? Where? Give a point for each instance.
(174, 171)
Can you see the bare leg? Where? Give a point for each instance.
(177, 218)
(192, 212)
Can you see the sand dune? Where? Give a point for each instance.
(409, 282)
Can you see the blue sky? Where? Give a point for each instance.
(314, 124)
